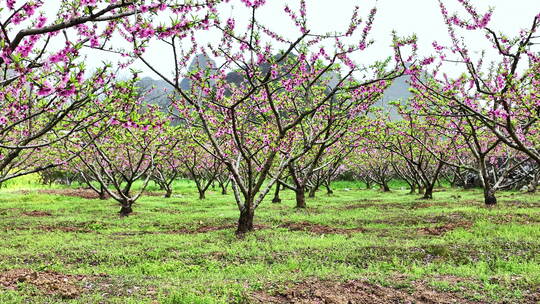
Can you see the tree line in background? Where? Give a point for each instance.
(276, 113)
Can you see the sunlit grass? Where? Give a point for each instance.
(496, 251)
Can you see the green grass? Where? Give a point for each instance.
(149, 257)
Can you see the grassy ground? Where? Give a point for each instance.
(57, 248)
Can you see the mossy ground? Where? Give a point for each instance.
(184, 250)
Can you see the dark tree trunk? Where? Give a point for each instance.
(428, 194)
(276, 198)
(223, 189)
(385, 187)
(300, 198)
(102, 193)
(329, 190)
(413, 188)
(489, 197)
(245, 222)
(202, 194)
(368, 185)
(126, 209)
(312, 192)
(168, 193)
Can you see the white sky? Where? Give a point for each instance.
(422, 17)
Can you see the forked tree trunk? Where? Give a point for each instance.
(245, 222)
(385, 187)
(300, 198)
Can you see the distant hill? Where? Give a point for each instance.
(399, 90)
(159, 90)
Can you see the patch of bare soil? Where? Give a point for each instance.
(521, 204)
(372, 204)
(37, 213)
(48, 282)
(442, 229)
(320, 229)
(355, 291)
(513, 218)
(47, 228)
(81, 193)
(201, 229)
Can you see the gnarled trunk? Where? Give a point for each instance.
(385, 187)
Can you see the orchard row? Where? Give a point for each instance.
(275, 110)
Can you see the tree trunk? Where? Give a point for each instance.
(202, 194)
(126, 208)
(223, 189)
(420, 189)
(329, 190)
(168, 192)
(245, 222)
(300, 198)
(102, 193)
(368, 185)
(489, 197)
(413, 188)
(428, 194)
(385, 187)
(276, 198)
(312, 192)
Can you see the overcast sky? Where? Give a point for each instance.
(407, 17)
(422, 17)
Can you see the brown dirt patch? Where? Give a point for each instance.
(37, 213)
(354, 291)
(46, 228)
(521, 204)
(442, 229)
(48, 282)
(513, 218)
(201, 229)
(320, 229)
(81, 193)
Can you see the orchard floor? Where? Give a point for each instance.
(356, 246)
